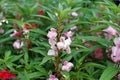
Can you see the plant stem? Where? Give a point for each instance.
(59, 31)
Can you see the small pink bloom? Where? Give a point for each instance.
(52, 52)
(115, 56)
(64, 44)
(68, 42)
(26, 28)
(25, 31)
(108, 36)
(61, 44)
(52, 77)
(16, 33)
(18, 44)
(52, 33)
(68, 50)
(68, 34)
(52, 42)
(118, 76)
(98, 53)
(117, 41)
(67, 66)
(110, 30)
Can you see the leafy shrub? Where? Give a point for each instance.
(59, 39)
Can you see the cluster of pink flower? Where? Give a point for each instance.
(115, 56)
(116, 50)
(52, 77)
(66, 66)
(110, 32)
(18, 44)
(63, 44)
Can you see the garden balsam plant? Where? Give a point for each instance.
(59, 42)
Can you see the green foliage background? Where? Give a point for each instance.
(35, 64)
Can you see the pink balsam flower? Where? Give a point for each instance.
(52, 42)
(52, 77)
(18, 44)
(110, 30)
(68, 34)
(16, 33)
(115, 56)
(52, 52)
(117, 42)
(108, 36)
(25, 31)
(67, 66)
(52, 33)
(64, 44)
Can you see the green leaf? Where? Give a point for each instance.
(41, 69)
(26, 76)
(37, 50)
(8, 32)
(67, 58)
(66, 75)
(15, 58)
(97, 28)
(52, 17)
(45, 59)
(7, 54)
(9, 65)
(38, 31)
(5, 39)
(35, 75)
(95, 65)
(26, 57)
(109, 73)
(101, 41)
(81, 59)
